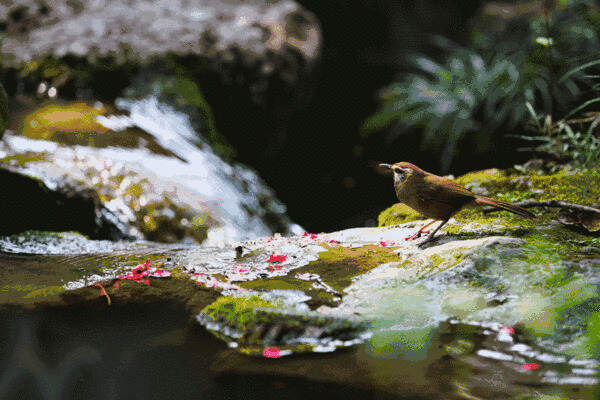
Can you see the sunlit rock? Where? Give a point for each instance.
(267, 45)
(149, 170)
(516, 306)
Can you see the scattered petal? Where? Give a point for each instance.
(272, 352)
(311, 235)
(277, 258)
(507, 331)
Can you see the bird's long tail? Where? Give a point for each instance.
(486, 201)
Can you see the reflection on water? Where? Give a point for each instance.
(154, 348)
(156, 351)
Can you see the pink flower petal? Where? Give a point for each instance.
(507, 330)
(272, 352)
(277, 258)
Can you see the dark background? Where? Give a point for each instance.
(318, 163)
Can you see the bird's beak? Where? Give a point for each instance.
(386, 166)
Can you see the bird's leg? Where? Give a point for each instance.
(432, 234)
(420, 231)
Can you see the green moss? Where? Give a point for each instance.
(74, 119)
(179, 273)
(45, 236)
(338, 265)
(165, 221)
(586, 346)
(275, 284)
(563, 185)
(21, 160)
(17, 287)
(45, 292)
(398, 214)
(438, 264)
(237, 312)
(258, 323)
(570, 186)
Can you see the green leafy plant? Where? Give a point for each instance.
(464, 96)
(572, 140)
(475, 93)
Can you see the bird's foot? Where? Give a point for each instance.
(416, 235)
(413, 236)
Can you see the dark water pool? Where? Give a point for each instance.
(136, 352)
(158, 352)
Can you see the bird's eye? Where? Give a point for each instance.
(398, 170)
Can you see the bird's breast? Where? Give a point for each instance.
(410, 193)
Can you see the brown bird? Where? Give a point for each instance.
(437, 197)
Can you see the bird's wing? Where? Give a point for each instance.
(443, 190)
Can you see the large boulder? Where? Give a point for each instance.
(145, 175)
(494, 299)
(269, 48)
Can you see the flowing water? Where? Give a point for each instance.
(154, 348)
(171, 159)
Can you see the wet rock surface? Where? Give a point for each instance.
(488, 312)
(145, 175)
(54, 205)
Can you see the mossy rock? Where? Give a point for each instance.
(398, 214)
(76, 119)
(21, 160)
(237, 312)
(574, 186)
(336, 268)
(254, 322)
(77, 124)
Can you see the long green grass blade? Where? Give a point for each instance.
(577, 69)
(582, 106)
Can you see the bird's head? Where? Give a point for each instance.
(401, 170)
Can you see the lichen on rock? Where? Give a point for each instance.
(256, 326)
